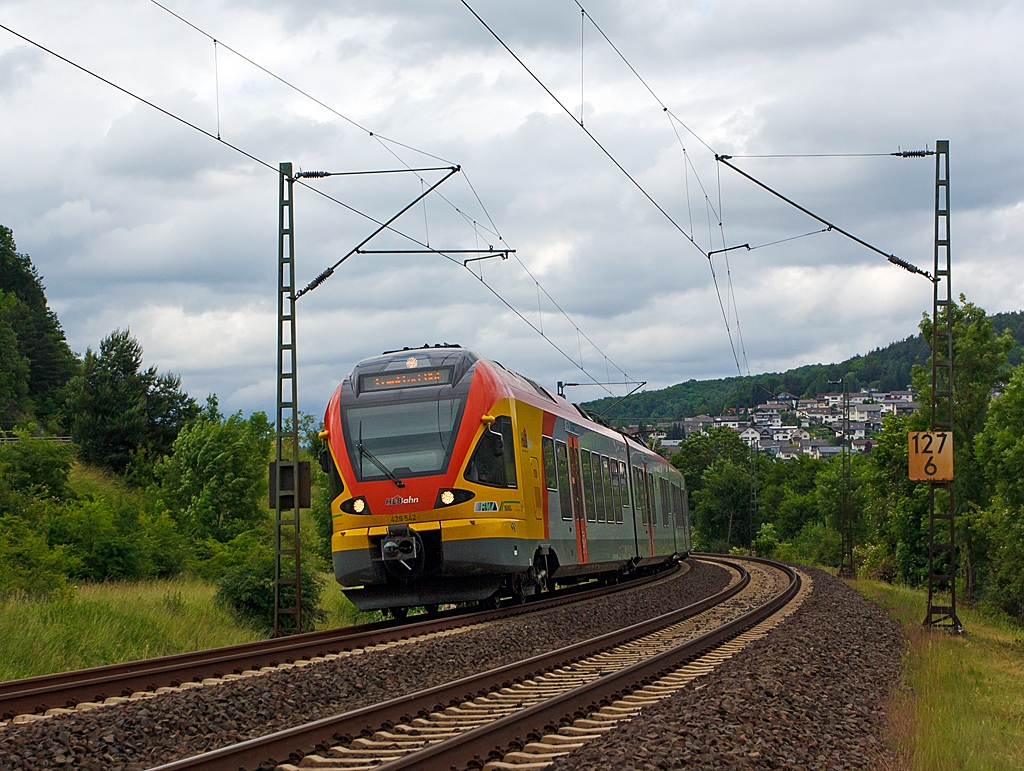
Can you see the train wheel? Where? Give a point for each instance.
(542, 577)
(399, 613)
(519, 592)
(432, 610)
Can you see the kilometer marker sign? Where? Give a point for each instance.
(930, 455)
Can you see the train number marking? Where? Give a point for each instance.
(402, 518)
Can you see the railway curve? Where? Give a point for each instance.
(532, 710)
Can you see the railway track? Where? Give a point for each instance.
(523, 715)
(47, 695)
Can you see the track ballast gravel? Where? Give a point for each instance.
(807, 696)
(142, 734)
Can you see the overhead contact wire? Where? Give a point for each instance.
(728, 273)
(583, 128)
(295, 88)
(611, 157)
(270, 167)
(569, 319)
(638, 76)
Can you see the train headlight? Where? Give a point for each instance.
(450, 496)
(355, 506)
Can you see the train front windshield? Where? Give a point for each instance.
(407, 438)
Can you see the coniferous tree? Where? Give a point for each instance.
(14, 369)
(117, 410)
(40, 339)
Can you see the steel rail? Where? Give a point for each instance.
(34, 695)
(474, 747)
(293, 743)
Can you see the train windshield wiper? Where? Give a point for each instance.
(383, 469)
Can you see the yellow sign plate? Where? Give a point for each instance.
(930, 455)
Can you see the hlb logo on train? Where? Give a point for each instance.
(485, 506)
(398, 500)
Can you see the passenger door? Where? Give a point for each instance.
(578, 515)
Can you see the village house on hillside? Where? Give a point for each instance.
(763, 430)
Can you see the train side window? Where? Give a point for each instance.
(599, 491)
(670, 496)
(564, 495)
(550, 475)
(614, 502)
(588, 486)
(677, 504)
(494, 459)
(647, 484)
(657, 499)
(658, 491)
(609, 496)
(509, 450)
(638, 494)
(623, 490)
(666, 503)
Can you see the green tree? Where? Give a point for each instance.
(786, 492)
(116, 409)
(36, 466)
(722, 505)
(14, 368)
(40, 337)
(30, 566)
(215, 479)
(980, 365)
(1000, 451)
(245, 581)
(701, 450)
(767, 540)
(103, 538)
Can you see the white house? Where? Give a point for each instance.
(751, 436)
(866, 413)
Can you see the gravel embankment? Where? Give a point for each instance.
(138, 735)
(808, 696)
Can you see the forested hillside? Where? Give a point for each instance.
(35, 360)
(886, 369)
(797, 511)
(152, 485)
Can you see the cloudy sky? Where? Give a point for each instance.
(138, 221)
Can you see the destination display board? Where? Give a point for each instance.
(410, 378)
(930, 456)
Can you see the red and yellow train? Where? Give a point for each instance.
(454, 479)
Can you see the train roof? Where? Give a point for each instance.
(522, 387)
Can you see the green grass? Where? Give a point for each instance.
(90, 480)
(113, 622)
(340, 612)
(964, 705)
(97, 624)
(104, 623)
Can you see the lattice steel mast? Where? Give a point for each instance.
(846, 568)
(287, 565)
(941, 506)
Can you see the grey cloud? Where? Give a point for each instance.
(17, 67)
(136, 221)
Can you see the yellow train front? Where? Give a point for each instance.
(454, 479)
